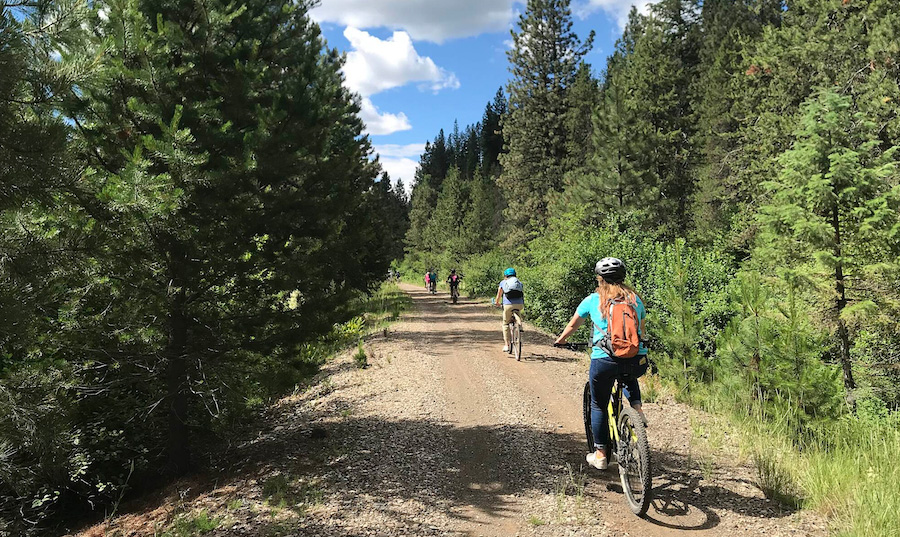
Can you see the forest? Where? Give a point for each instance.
(190, 210)
(188, 206)
(741, 157)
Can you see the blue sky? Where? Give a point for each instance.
(420, 64)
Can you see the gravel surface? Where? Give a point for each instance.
(444, 434)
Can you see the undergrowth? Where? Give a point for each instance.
(844, 469)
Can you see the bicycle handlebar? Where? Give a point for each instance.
(572, 346)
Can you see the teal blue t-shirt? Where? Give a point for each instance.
(590, 306)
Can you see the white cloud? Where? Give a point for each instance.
(618, 9)
(375, 65)
(400, 161)
(427, 20)
(401, 168)
(378, 123)
(397, 150)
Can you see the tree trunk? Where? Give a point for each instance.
(846, 367)
(756, 360)
(842, 332)
(178, 449)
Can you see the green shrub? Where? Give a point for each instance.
(192, 524)
(482, 273)
(362, 361)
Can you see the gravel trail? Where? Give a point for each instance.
(444, 434)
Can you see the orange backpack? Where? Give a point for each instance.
(622, 338)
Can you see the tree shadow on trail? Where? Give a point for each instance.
(389, 471)
(683, 500)
(680, 491)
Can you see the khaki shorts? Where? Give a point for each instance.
(507, 317)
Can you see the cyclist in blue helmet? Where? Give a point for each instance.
(511, 297)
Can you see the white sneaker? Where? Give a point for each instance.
(600, 463)
(505, 348)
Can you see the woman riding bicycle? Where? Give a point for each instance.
(510, 297)
(611, 288)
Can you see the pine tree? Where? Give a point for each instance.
(813, 44)
(657, 73)
(544, 62)
(611, 180)
(231, 170)
(773, 351)
(482, 221)
(42, 264)
(386, 220)
(422, 203)
(583, 97)
(471, 151)
(832, 196)
(492, 135)
(443, 233)
(718, 94)
(435, 162)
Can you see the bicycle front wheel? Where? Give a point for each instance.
(634, 461)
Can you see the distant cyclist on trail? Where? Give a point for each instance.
(453, 279)
(432, 280)
(511, 291)
(612, 295)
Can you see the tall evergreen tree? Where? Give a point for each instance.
(386, 220)
(660, 71)
(612, 178)
(231, 172)
(583, 98)
(422, 203)
(492, 135)
(443, 233)
(471, 151)
(481, 223)
(42, 238)
(720, 195)
(435, 162)
(544, 63)
(830, 198)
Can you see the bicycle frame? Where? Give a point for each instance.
(632, 453)
(613, 410)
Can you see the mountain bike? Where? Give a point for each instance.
(432, 286)
(454, 293)
(628, 439)
(515, 335)
(516, 327)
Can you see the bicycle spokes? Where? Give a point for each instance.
(634, 461)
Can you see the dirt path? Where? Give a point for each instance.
(444, 434)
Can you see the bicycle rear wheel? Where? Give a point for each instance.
(633, 457)
(517, 342)
(589, 434)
